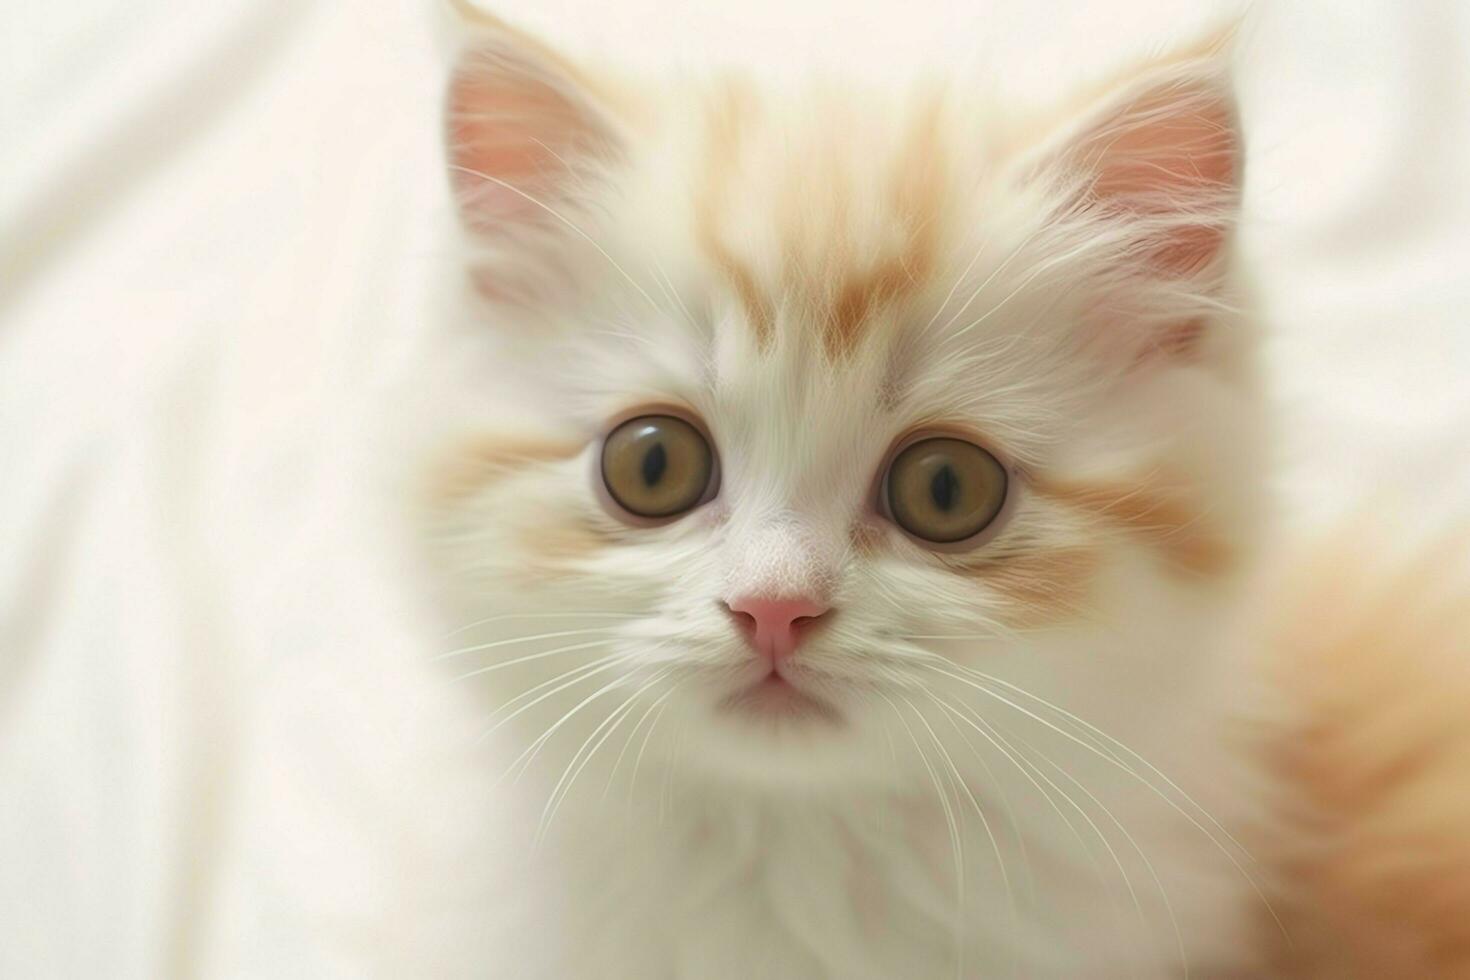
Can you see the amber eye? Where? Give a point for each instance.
(657, 466)
(944, 490)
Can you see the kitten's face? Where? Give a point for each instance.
(832, 397)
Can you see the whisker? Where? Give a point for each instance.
(628, 742)
(1102, 838)
(1004, 631)
(638, 760)
(501, 665)
(972, 674)
(1005, 801)
(540, 615)
(478, 648)
(979, 812)
(586, 671)
(1163, 892)
(563, 787)
(1229, 855)
(667, 790)
(529, 753)
(1099, 733)
(1024, 768)
(950, 822)
(998, 630)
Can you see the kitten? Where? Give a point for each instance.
(853, 590)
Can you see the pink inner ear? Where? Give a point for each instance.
(1173, 152)
(514, 129)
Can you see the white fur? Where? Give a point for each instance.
(740, 849)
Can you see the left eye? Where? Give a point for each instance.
(657, 466)
(944, 490)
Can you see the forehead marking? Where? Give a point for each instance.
(730, 113)
(840, 285)
(914, 198)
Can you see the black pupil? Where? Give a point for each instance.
(654, 464)
(944, 487)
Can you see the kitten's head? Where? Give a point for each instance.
(831, 395)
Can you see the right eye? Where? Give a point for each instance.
(657, 466)
(944, 490)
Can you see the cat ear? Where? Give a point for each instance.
(525, 130)
(1159, 150)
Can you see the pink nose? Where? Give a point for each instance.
(774, 627)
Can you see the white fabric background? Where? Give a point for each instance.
(217, 227)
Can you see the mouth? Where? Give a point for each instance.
(774, 698)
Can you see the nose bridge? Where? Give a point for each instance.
(782, 555)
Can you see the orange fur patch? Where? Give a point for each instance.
(836, 273)
(1045, 587)
(1157, 510)
(866, 537)
(552, 548)
(1374, 663)
(729, 117)
(918, 185)
(472, 465)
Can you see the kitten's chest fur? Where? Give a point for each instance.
(734, 888)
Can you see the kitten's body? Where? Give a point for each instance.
(813, 274)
